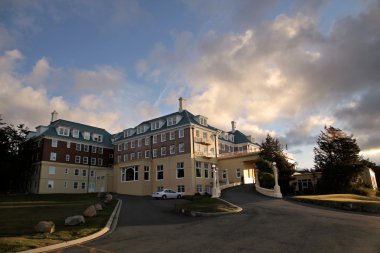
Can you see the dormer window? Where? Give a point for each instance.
(157, 124)
(129, 132)
(76, 133)
(97, 137)
(232, 138)
(171, 121)
(201, 120)
(86, 135)
(63, 131)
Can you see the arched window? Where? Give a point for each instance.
(129, 174)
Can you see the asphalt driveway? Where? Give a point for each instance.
(265, 225)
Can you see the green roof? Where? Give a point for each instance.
(51, 132)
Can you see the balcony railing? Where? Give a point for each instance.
(205, 154)
(204, 141)
(237, 153)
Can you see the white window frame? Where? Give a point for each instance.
(86, 148)
(163, 137)
(51, 170)
(160, 169)
(94, 149)
(50, 184)
(199, 188)
(155, 139)
(67, 171)
(180, 167)
(147, 141)
(198, 169)
(139, 155)
(85, 160)
(147, 153)
(163, 151)
(83, 185)
(172, 135)
(125, 146)
(181, 133)
(238, 173)
(76, 172)
(207, 170)
(135, 174)
(54, 143)
(119, 146)
(181, 147)
(125, 157)
(67, 158)
(100, 161)
(76, 185)
(133, 144)
(68, 144)
(93, 161)
(180, 188)
(172, 149)
(146, 172)
(75, 133)
(77, 159)
(154, 152)
(78, 147)
(84, 173)
(53, 156)
(100, 150)
(139, 142)
(133, 156)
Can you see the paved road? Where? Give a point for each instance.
(265, 225)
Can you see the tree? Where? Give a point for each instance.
(337, 156)
(15, 153)
(272, 151)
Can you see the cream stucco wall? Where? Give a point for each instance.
(59, 178)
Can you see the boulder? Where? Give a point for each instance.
(98, 207)
(108, 198)
(45, 227)
(90, 211)
(75, 220)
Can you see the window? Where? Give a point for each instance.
(139, 142)
(163, 151)
(180, 188)
(172, 149)
(93, 161)
(76, 172)
(93, 149)
(66, 171)
(67, 158)
(147, 153)
(172, 121)
(205, 135)
(76, 133)
(197, 133)
(155, 137)
(180, 170)
(68, 144)
(54, 143)
(146, 173)
(125, 157)
(181, 147)
(132, 156)
(155, 125)
(160, 172)
(172, 135)
(205, 150)
(238, 173)
(207, 188)
(77, 159)
(86, 135)
(139, 155)
(100, 161)
(198, 169)
(206, 170)
(132, 144)
(129, 174)
(163, 137)
(199, 188)
(78, 147)
(118, 158)
(83, 185)
(154, 152)
(119, 146)
(50, 184)
(147, 141)
(84, 173)
(65, 184)
(85, 148)
(160, 188)
(51, 170)
(85, 160)
(240, 149)
(53, 156)
(63, 131)
(100, 150)
(181, 133)
(97, 137)
(75, 185)
(125, 145)
(92, 173)
(224, 174)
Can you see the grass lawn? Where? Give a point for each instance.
(207, 205)
(351, 198)
(19, 214)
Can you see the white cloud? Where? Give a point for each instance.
(98, 79)
(39, 73)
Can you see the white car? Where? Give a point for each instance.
(166, 194)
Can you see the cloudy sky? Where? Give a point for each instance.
(282, 67)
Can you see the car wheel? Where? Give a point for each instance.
(179, 196)
(163, 197)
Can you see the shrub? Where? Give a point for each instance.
(266, 180)
(364, 191)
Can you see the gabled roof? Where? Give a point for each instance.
(51, 132)
(187, 118)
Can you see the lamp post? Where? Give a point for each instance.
(277, 188)
(215, 186)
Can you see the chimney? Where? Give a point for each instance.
(182, 104)
(233, 125)
(54, 116)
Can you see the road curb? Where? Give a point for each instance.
(96, 235)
